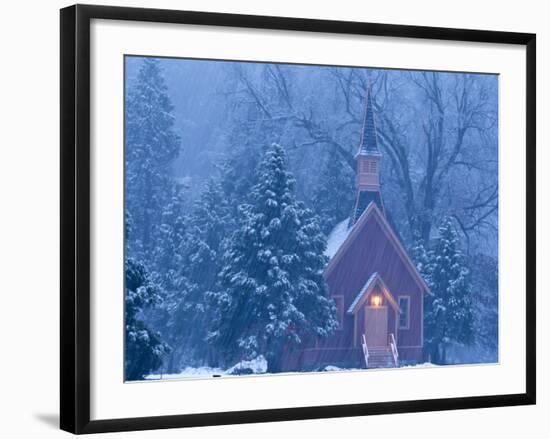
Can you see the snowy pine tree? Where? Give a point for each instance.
(333, 199)
(144, 348)
(272, 292)
(238, 175)
(151, 147)
(419, 255)
(484, 271)
(169, 236)
(448, 310)
(209, 225)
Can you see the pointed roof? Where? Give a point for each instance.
(369, 140)
(373, 212)
(374, 279)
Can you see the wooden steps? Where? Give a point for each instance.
(378, 357)
(381, 357)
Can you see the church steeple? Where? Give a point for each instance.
(369, 142)
(368, 165)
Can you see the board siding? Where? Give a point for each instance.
(371, 251)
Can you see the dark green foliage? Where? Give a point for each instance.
(144, 350)
(272, 292)
(208, 228)
(155, 224)
(484, 271)
(334, 197)
(238, 175)
(448, 314)
(423, 120)
(151, 147)
(169, 236)
(209, 225)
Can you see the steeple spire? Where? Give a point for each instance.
(368, 165)
(369, 142)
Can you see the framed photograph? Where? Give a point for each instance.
(268, 218)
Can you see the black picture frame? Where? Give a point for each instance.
(75, 217)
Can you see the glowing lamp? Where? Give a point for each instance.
(375, 300)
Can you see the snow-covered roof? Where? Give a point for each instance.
(341, 231)
(337, 237)
(365, 288)
(340, 235)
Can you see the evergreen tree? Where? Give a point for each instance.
(333, 199)
(169, 235)
(484, 273)
(448, 310)
(238, 175)
(209, 225)
(420, 255)
(151, 147)
(166, 259)
(144, 348)
(272, 291)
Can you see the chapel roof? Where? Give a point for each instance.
(340, 239)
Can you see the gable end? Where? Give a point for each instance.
(373, 212)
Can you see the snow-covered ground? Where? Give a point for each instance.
(188, 372)
(339, 369)
(256, 367)
(421, 365)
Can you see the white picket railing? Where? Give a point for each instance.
(393, 346)
(365, 350)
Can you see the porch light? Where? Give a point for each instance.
(375, 300)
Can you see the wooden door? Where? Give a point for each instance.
(376, 325)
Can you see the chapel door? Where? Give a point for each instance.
(376, 325)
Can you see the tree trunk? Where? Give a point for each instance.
(444, 354)
(275, 360)
(435, 354)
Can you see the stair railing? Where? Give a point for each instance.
(365, 349)
(393, 346)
